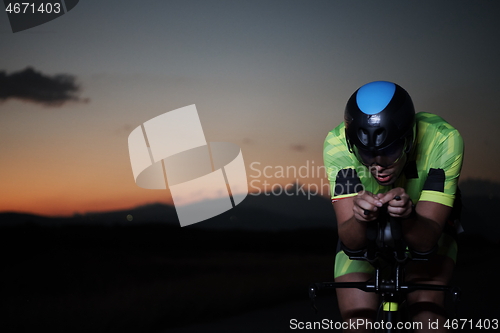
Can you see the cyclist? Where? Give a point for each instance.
(386, 158)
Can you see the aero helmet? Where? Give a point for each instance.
(380, 123)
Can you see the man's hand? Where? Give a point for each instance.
(398, 202)
(366, 206)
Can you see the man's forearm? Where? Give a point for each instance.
(353, 233)
(420, 233)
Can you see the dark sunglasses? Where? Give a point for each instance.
(385, 157)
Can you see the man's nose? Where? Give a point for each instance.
(378, 168)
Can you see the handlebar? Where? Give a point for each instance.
(391, 287)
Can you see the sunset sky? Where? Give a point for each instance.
(270, 76)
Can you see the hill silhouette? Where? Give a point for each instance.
(479, 216)
(480, 188)
(267, 211)
(257, 212)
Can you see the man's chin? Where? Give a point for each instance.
(388, 183)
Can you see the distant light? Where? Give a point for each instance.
(130, 217)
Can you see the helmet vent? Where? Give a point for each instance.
(379, 136)
(363, 136)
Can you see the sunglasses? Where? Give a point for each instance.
(385, 157)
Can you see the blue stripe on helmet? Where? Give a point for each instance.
(373, 97)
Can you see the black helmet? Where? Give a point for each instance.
(380, 123)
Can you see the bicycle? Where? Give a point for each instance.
(388, 255)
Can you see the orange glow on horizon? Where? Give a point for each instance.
(68, 204)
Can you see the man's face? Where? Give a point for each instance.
(387, 175)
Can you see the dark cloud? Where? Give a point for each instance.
(298, 147)
(30, 85)
(124, 130)
(247, 141)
